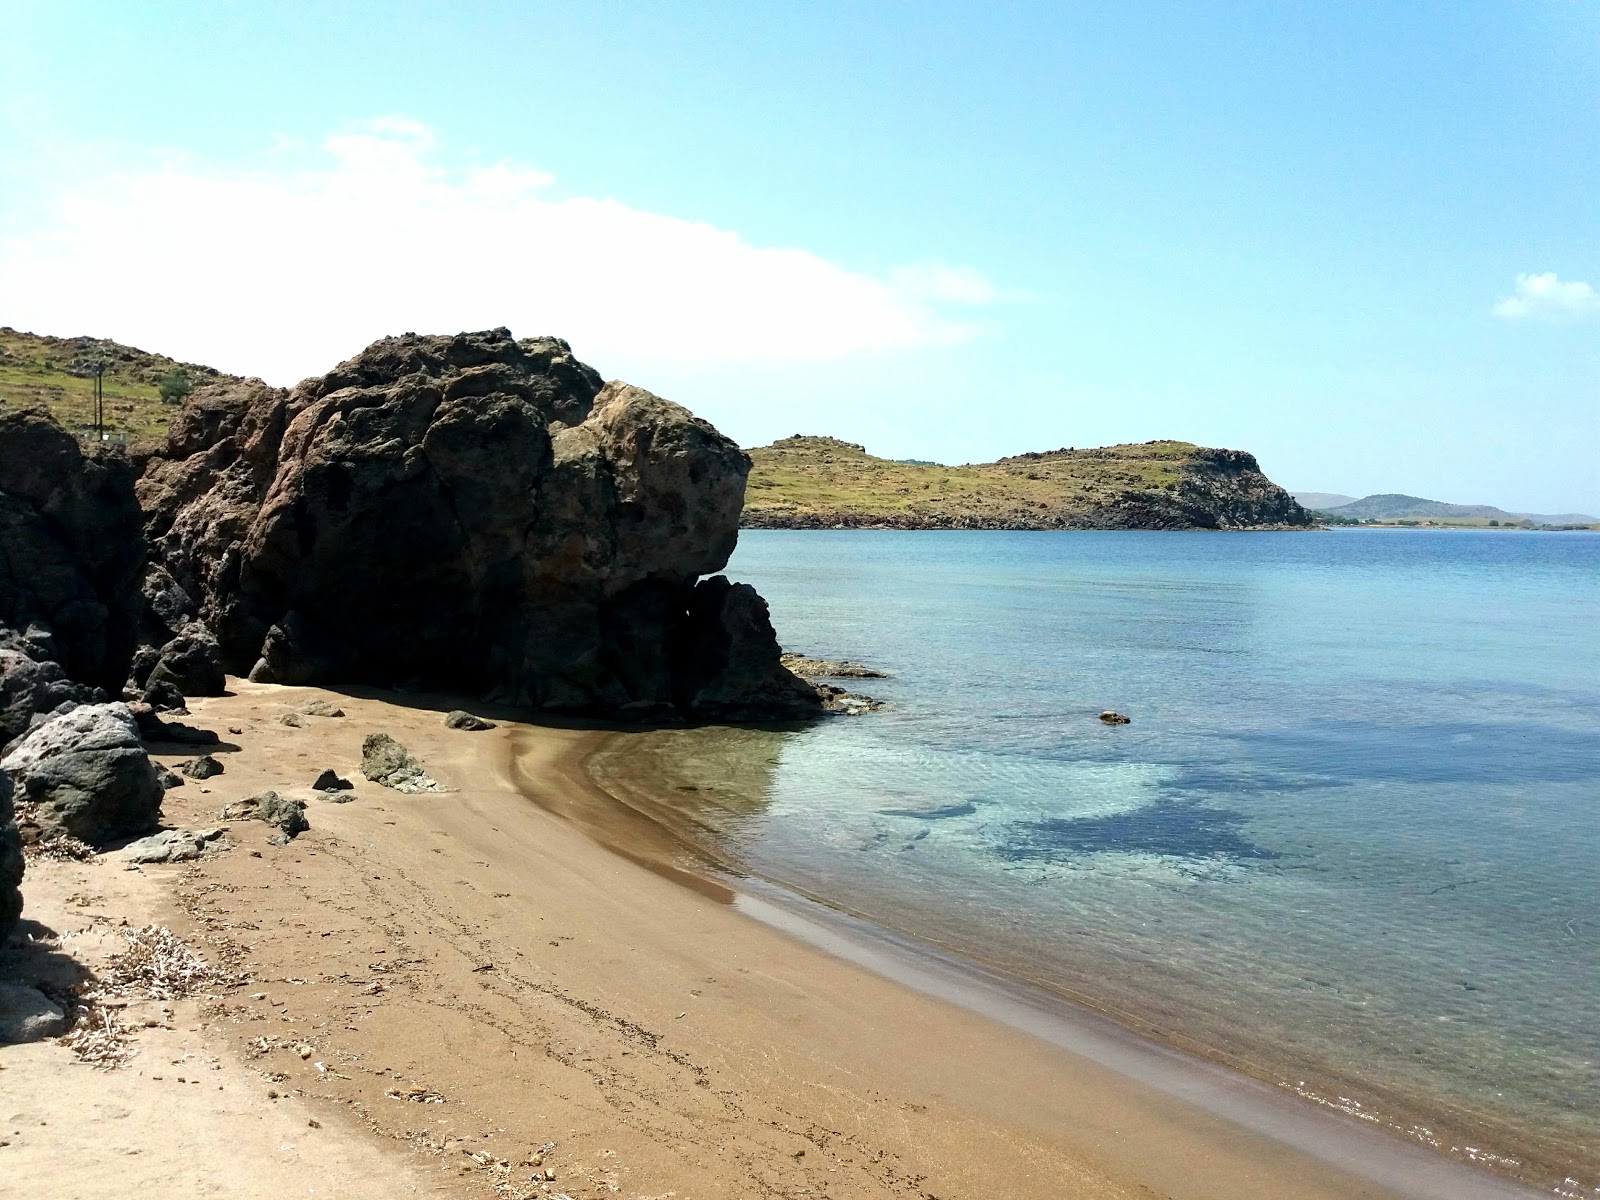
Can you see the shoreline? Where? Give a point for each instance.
(548, 998)
(1125, 1042)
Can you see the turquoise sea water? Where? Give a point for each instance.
(1350, 841)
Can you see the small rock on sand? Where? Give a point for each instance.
(386, 761)
(461, 719)
(288, 815)
(321, 708)
(203, 767)
(171, 845)
(330, 781)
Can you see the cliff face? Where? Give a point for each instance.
(468, 513)
(820, 483)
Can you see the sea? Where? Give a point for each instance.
(1348, 842)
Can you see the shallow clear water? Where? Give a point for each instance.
(1350, 842)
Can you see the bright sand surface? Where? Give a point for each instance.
(480, 976)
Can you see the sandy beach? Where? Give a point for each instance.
(468, 993)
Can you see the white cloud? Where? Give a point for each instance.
(1546, 295)
(282, 273)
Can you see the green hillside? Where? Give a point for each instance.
(57, 374)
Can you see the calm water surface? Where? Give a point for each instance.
(1350, 842)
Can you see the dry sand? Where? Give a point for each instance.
(485, 992)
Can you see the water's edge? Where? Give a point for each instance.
(1375, 1153)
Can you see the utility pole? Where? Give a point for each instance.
(99, 402)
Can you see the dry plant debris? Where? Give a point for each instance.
(99, 1039)
(157, 965)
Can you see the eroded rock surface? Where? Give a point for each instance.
(287, 816)
(472, 513)
(87, 775)
(386, 761)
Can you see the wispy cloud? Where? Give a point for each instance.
(1548, 296)
(283, 272)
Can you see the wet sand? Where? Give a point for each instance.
(481, 981)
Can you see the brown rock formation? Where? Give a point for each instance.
(469, 512)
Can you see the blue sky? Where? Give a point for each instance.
(1356, 239)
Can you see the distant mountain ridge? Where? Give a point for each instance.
(1394, 506)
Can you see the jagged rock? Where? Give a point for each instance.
(169, 779)
(287, 815)
(164, 697)
(87, 775)
(548, 530)
(71, 546)
(11, 862)
(28, 1015)
(321, 708)
(331, 781)
(171, 845)
(730, 664)
(191, 662)
(386, 761)
(460, 719)
(847, 704)
(29, 687)
(203, 767)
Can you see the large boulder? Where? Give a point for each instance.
(472, 513)
(731, 663)
(10, 862)
(71, 547)
(86, 775)
(175, 650)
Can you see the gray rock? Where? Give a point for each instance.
(292, 720)
(87, 775)
(386, 761)
(191, 662)
(330, 781)
(171, 845)
(28, 1015)
(321, 708)
(11, 862)
(338, 797)
(163, 696)
(169, 779)
(288, 815)
(460, 719)
(203, 767)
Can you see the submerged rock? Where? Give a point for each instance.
(460, 719)
(554, 532)
(386, 761)
(1115, 718)
(829, 668)
(87, 775)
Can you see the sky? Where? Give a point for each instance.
(1361, 240)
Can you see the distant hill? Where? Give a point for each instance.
(1396, 507)
(821, 483)
(57, 374)
(1321, 500)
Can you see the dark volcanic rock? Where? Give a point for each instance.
(472, 513)
(11, 862)
(731, 664)
(461, 719)
(87, 775)
(331, 781)
(71, 548)
(203, 767)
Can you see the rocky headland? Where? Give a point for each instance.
(824, 483)
(470, 514)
